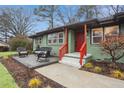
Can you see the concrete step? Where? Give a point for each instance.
(77, 55)
(73, 59)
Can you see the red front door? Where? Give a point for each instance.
(79, 41)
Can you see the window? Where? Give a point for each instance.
(61, 35)
(39, 40)
(97, 35)
(56, 38)
(111, 31)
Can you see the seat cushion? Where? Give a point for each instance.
(23, 52)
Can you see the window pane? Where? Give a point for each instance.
(98, 32)
(97, 39)
(54, 41)
(110, 31)
(49, 41)
(60, 35)
(55, 35)
(61, 41)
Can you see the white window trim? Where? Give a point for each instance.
(96, 36)
(57, 39)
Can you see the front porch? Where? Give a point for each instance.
(74, 51)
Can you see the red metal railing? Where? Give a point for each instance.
(63, 50)
(83, 50)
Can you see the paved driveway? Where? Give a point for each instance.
(73, 78)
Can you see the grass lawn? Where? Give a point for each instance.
(5, 54)
(6, 80)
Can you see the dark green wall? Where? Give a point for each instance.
(122, 29)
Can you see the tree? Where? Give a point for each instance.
(89, 11)
(15, 22)
(46, 13)
(114, 9)
(114, 47)
(68, 14)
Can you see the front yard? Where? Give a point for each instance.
(23, 75)
(6, 54)
(6, 80)
(19, 75)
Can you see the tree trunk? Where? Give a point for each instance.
(6, 36)
(113, 60)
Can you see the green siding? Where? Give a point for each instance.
(95, 50)
(71, 41)
(34, 44)
(44, 41)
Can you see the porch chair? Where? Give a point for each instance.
(44, 53)
(22, 51)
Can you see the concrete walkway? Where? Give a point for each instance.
(73, 78)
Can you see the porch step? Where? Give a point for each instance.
(73, 59)
(77, 55)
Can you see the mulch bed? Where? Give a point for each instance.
(107, 67)
(22, 75)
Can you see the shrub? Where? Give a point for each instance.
(117, 74)
(20, 41)
(35, 83)
(98, 69)
(88, 65)
(114, 46)
(113, 65)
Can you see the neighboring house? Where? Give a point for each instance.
(76, 43)
(3, 46)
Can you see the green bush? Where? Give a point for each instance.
(20, 41)
(98, 69)
(88, 65)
